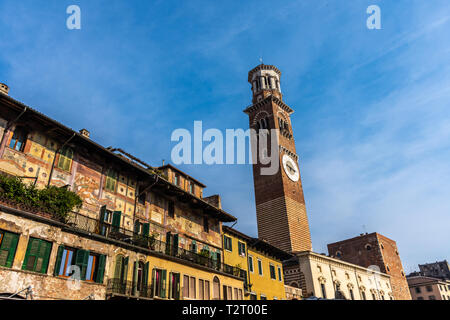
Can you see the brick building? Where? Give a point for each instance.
(141, 232)
(374, 250)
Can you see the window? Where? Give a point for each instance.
(18, 139)
(272, 272)
(201, 289)
(176, 179)
(111, 180)
(171, 209)
(240, 294)
(432, 297)
(65, 159)
(429, 289)
(92, 266)
(260, 267)
(37, 255)
(250, 263)
(159, 283)
(368, 247)
(192, 287)
(419, 298)
(241, 248)
(227, 293)
(279, 274)
(194, 246)
(191, 187)
(189, 287)
(207, 296)
(8, 245)
(227, 243)
(236, 294)
(324, 292)
(121, 270)
(351, 294)
(205, 224)
(174, 286)
(418, 290)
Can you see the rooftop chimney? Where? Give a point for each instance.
(4, 88)
(85, 133)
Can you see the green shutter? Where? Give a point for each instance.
(177, 296)
(135, 280)
(101, 268)
(125, 269)
(154, 281)
(171, 279)
(146, 229)
(28, 253)
(58, 260)
(8, 249)
(168, 242)
(164, 283)
(146, 268)
(102, 213)
(44, 253)
(81, 260)
(118, 267)
(175, 244)
(116, 219)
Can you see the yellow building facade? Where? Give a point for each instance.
(263, 264)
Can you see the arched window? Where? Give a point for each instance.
(216, 288)
(65, 159)
(18, 139)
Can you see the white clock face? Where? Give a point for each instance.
(290, 167)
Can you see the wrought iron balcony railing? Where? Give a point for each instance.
(87, 224)
(129, 288)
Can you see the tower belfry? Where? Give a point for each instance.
(280, 204)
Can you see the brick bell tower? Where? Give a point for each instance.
(280, 204)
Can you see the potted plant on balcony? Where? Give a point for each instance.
(152, 240)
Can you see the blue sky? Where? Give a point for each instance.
(371, 121)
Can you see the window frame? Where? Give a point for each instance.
(260, 267)
(250, 264)
(23, 135)
(272, 268)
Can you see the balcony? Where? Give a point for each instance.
(94, 226)
(128, 289)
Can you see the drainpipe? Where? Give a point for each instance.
(6, 132)
(54, 158)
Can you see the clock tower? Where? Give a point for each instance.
(280, 204)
